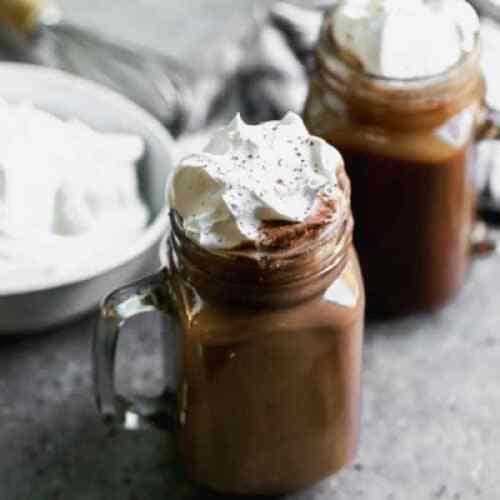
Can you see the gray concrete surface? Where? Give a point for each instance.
(431, 396)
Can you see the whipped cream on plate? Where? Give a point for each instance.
(247, 174)
(69, 197)
(404, 38)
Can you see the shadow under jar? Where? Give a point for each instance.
(269, 351)
(408, 146)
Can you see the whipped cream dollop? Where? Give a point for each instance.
(69, 197)
(248, 174)
(404, 38)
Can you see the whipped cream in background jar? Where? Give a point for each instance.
(264, 307)
(398, 90)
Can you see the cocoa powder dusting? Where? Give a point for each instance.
(277, 235)
(281, 235)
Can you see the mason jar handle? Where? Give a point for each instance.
(146, 295)
(490, 126)
(482, 243)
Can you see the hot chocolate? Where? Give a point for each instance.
(263, 285)
(271, 361)
(271, 358)
(408, 149)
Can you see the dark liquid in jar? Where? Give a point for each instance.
(271, 399)
(269, 393)
(412, 226)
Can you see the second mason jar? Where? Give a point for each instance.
(408, 149)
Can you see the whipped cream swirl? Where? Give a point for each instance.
(404, 38)
(248, 174)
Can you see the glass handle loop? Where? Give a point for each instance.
(489, 129)
(146, 295)
(482, 242)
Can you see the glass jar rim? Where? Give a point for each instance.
(265, 269)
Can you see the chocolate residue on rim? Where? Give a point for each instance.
(283, 235)
(277, 235)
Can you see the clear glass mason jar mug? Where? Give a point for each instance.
(269, 356)
(408, 146)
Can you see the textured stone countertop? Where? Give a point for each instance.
(431, 392)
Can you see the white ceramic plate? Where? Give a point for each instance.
(60, 300)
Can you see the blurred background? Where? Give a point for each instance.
(158, 26)
(430, 422)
